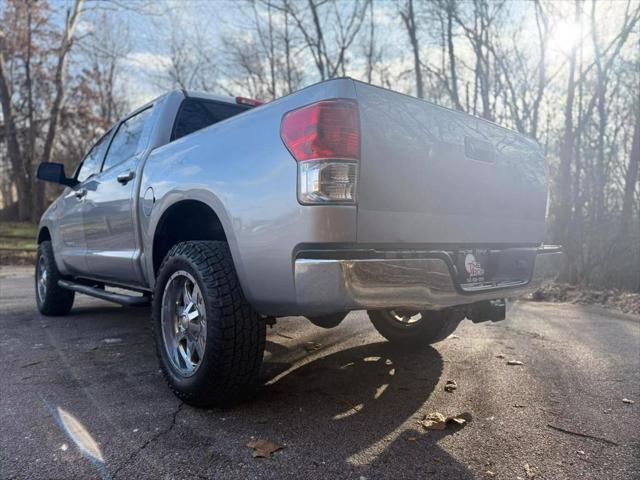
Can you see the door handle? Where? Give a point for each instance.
(81, 193)
(124, 178)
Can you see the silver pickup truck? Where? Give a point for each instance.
(225, 214)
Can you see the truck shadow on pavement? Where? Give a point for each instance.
(340, 412)
(359, 409)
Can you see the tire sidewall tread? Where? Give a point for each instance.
(58, 301)
(235, 333)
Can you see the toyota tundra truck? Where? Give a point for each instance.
(225, 214)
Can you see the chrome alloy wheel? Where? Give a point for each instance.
(41, 280)
(405, 317)
(184, 323)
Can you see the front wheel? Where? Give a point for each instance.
(209, 340)
(52, 300)
(414, 329)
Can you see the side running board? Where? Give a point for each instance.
(127, 300)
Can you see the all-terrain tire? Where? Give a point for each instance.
(52, 300)
(433, 326)
(235, 334)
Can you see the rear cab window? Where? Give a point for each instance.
(197, 113)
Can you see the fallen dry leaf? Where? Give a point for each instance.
(450, 386)
(437, 421)
(514, 362)
(580, 452)
(626, 400)
(529, 471)
(311, 346)
(490, 473)
(263, 448)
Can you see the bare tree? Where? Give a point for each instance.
(11, 138)
(34, 85)
(332, 30)
(265, 63)
(59, 81)
(370, 49)
(563, 185)
(630, 181)
(104, 51)
(408, 15)
(478, 31)
(30, 16)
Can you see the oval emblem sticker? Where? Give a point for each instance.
(473, 268)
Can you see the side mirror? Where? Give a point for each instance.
(54, 172)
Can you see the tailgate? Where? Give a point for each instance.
(433, 175)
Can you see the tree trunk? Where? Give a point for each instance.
(372, 47)
(563, 185)
(630, 180)
(320, 39)
(541, 23)
(13, 147)
(30, 154)
(452, 57)
(409, 19)
(287, 53)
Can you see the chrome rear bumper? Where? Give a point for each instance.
(332, 285)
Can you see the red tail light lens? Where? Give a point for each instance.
(326, 129)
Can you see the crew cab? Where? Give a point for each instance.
(225, 214)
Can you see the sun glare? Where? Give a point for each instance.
(566, 35)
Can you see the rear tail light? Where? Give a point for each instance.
(324, 138)
(327, 181)
(327, 129)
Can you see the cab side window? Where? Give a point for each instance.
(125, 142)
(91, 163)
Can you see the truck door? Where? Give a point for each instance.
(108, 214)
(71, 229)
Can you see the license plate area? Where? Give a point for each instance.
(487, 268)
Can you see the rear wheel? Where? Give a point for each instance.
(52, 300)
(413, 328)
(209, 340)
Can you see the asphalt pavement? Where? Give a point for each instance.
(82, 397)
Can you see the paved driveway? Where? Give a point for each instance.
(82, 397)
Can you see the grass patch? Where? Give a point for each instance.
(18, 235)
